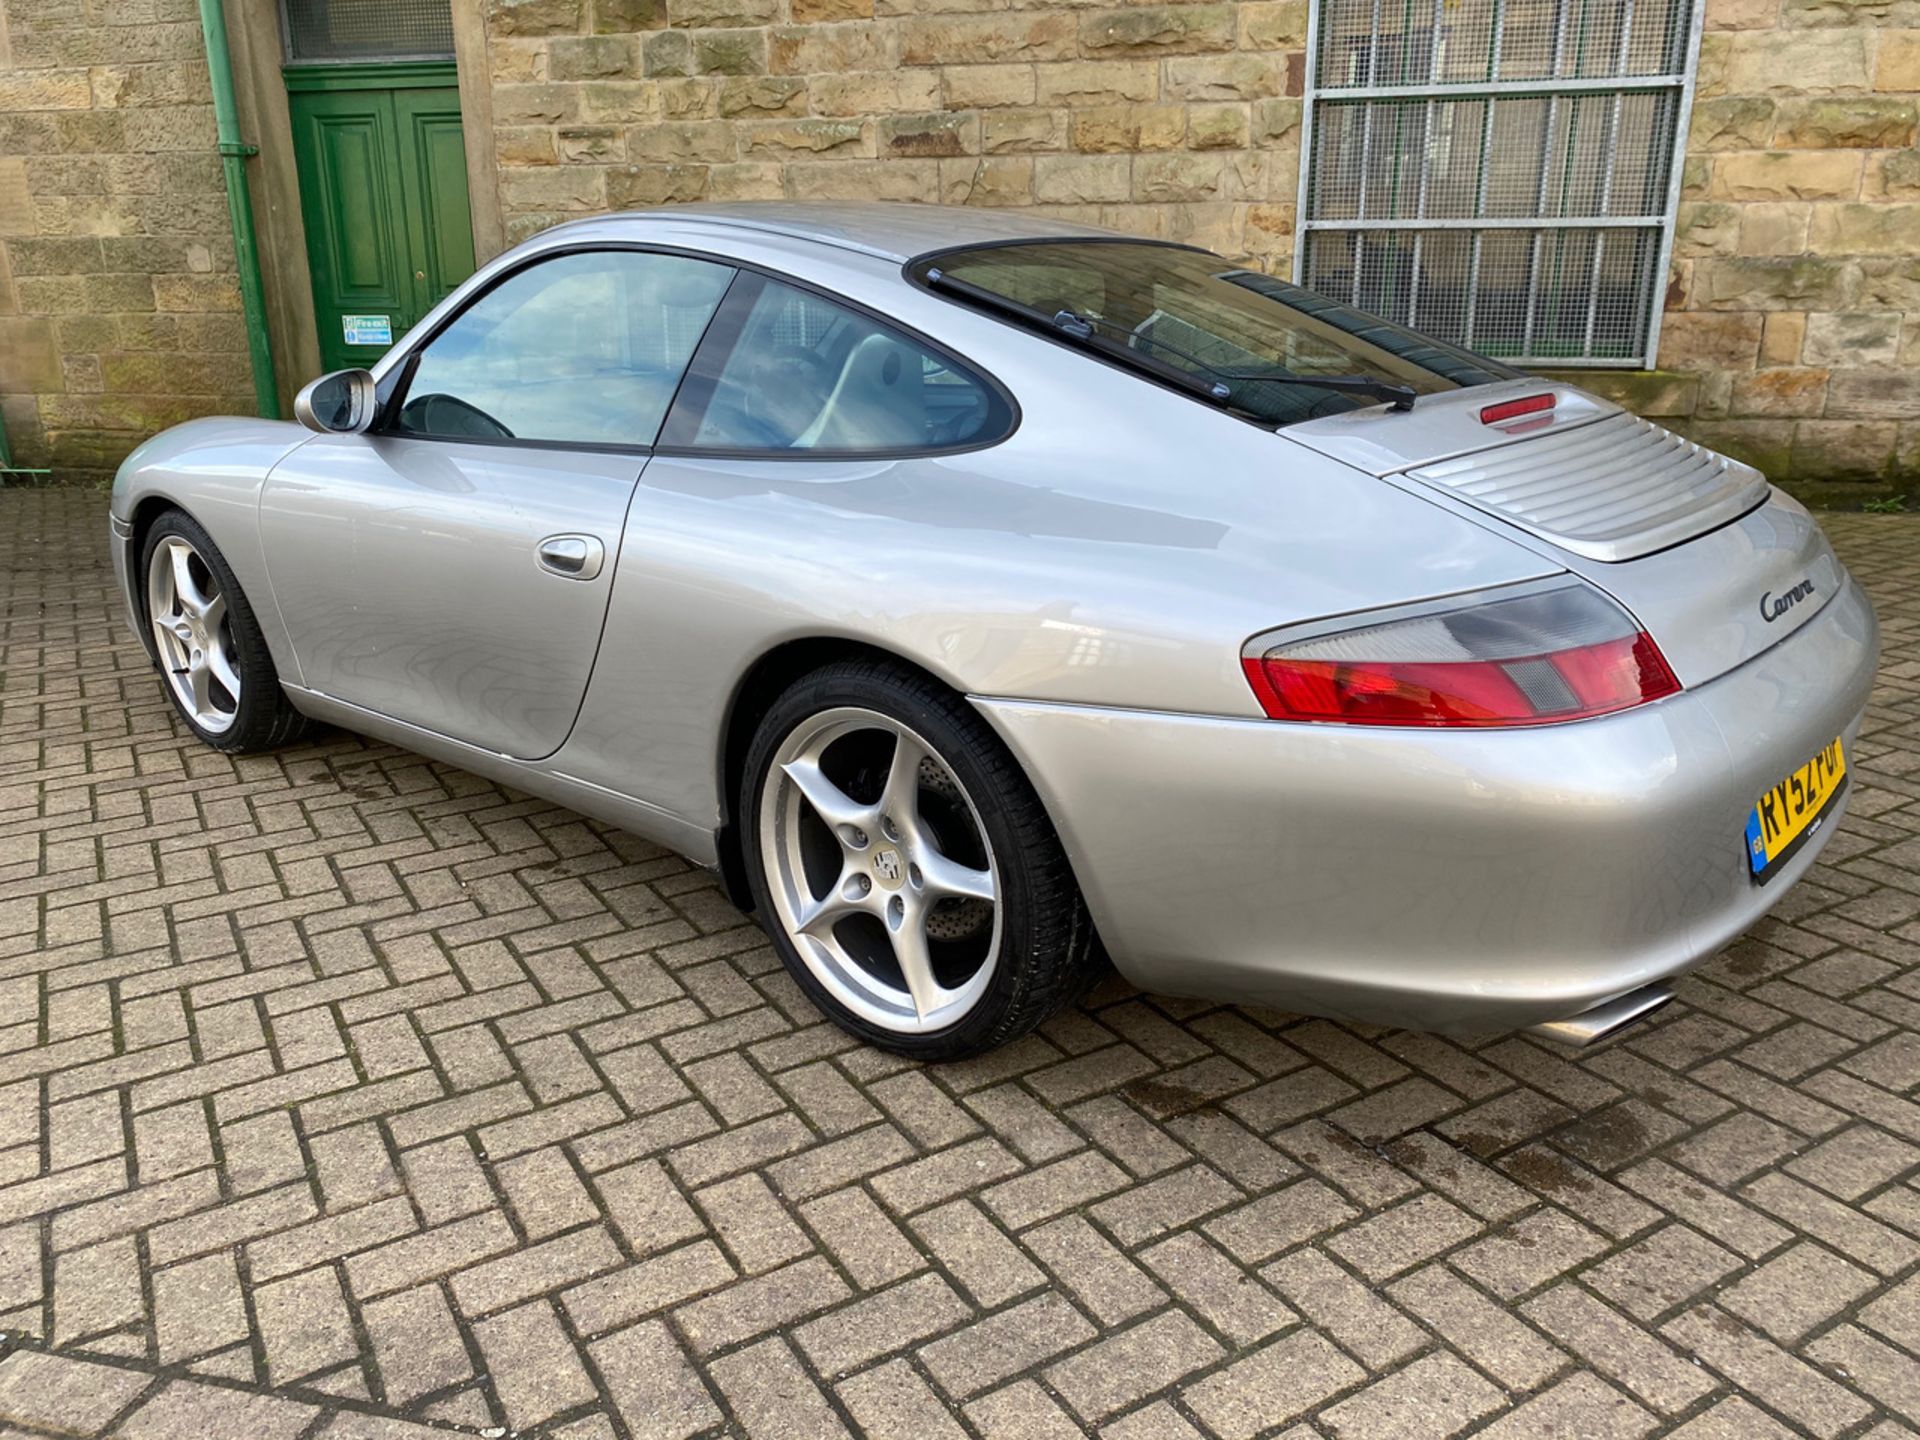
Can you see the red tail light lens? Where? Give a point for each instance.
(1557, 652)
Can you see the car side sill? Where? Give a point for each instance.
(644, 819)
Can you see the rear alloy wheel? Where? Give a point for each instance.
(904, 867)
(212, 658)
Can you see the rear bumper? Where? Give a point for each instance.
(1439, 880)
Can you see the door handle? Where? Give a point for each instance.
(577, 557)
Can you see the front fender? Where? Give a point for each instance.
(213, 470)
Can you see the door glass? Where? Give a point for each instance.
(583, 349)
(807, 374)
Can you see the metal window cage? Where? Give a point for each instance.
(1499, 173)
(345, 31)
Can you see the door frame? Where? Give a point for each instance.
(381, 78)
(260, 90)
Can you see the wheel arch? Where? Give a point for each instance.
(763, 682)
(145, 514)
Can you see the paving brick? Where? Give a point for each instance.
(1433, 1397)
(766, 1302)
(880, 1324)
(771, 1395)
(891, 1402)
(198, 1307)
(1125, 1368)
(1007, 1343)
(384, 1100)
(870, 1247)
(304, 1325)
(62, 1395)
(416, 1345)
(657, 1393)
(532, 1365)
(1273, 1384)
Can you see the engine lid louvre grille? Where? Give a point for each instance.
(1614, 489)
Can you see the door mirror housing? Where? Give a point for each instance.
(343, 403)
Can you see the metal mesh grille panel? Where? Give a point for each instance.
(1543, 296)
(324, 30)
(1497, 172)
(1468, 42)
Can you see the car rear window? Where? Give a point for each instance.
(1171, 306)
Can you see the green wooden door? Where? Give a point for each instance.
(383, 189)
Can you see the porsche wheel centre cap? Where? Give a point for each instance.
(888, 868)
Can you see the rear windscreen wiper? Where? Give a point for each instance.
(1213, 385)
(1398, 397)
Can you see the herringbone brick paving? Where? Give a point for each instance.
(346, 1094)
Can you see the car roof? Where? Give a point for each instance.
(890, 230)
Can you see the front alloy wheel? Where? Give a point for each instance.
(194, 635)
(207, 643)
(905, 869)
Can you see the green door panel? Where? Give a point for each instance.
(433, 178)
(383, 190)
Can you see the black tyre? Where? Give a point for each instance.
(904, 867)
(213, 661)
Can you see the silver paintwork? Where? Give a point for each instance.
(894, 867)
(190, 629)
(1615, 488)
(1089, 583)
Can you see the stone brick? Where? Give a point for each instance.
(936, 40)
(1865, 122)
(1852, 338)
(1732, 122)
(1873, 393)
(1897, 61)
(1128, 128)
(1889, 229)
(1798, 61)
(1158, 29)
(1780, 392)
(1777, 283)
(1787, 175)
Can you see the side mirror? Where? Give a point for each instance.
(342, 403)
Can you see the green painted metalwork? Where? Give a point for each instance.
(383, 188)
(246, 250)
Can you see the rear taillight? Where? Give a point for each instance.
(1533, 656)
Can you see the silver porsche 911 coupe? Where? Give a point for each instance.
(984, 595)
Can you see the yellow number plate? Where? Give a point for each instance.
(1793, 811)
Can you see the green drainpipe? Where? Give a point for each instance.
(246, 250)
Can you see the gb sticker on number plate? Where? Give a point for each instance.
(1793, 811)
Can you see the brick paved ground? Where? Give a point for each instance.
(342, 1093)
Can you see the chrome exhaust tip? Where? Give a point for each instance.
(1590, 1027)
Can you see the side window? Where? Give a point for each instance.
(807, 374)
(585, 348)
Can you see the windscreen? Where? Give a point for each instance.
(1257, 337)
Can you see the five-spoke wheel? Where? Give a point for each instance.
(905, 868)
(189, 617)
(882, 871)
(212, 656)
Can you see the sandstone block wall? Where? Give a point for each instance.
(1792, 326)
(119, 311)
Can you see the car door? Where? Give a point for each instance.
(452, 568)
